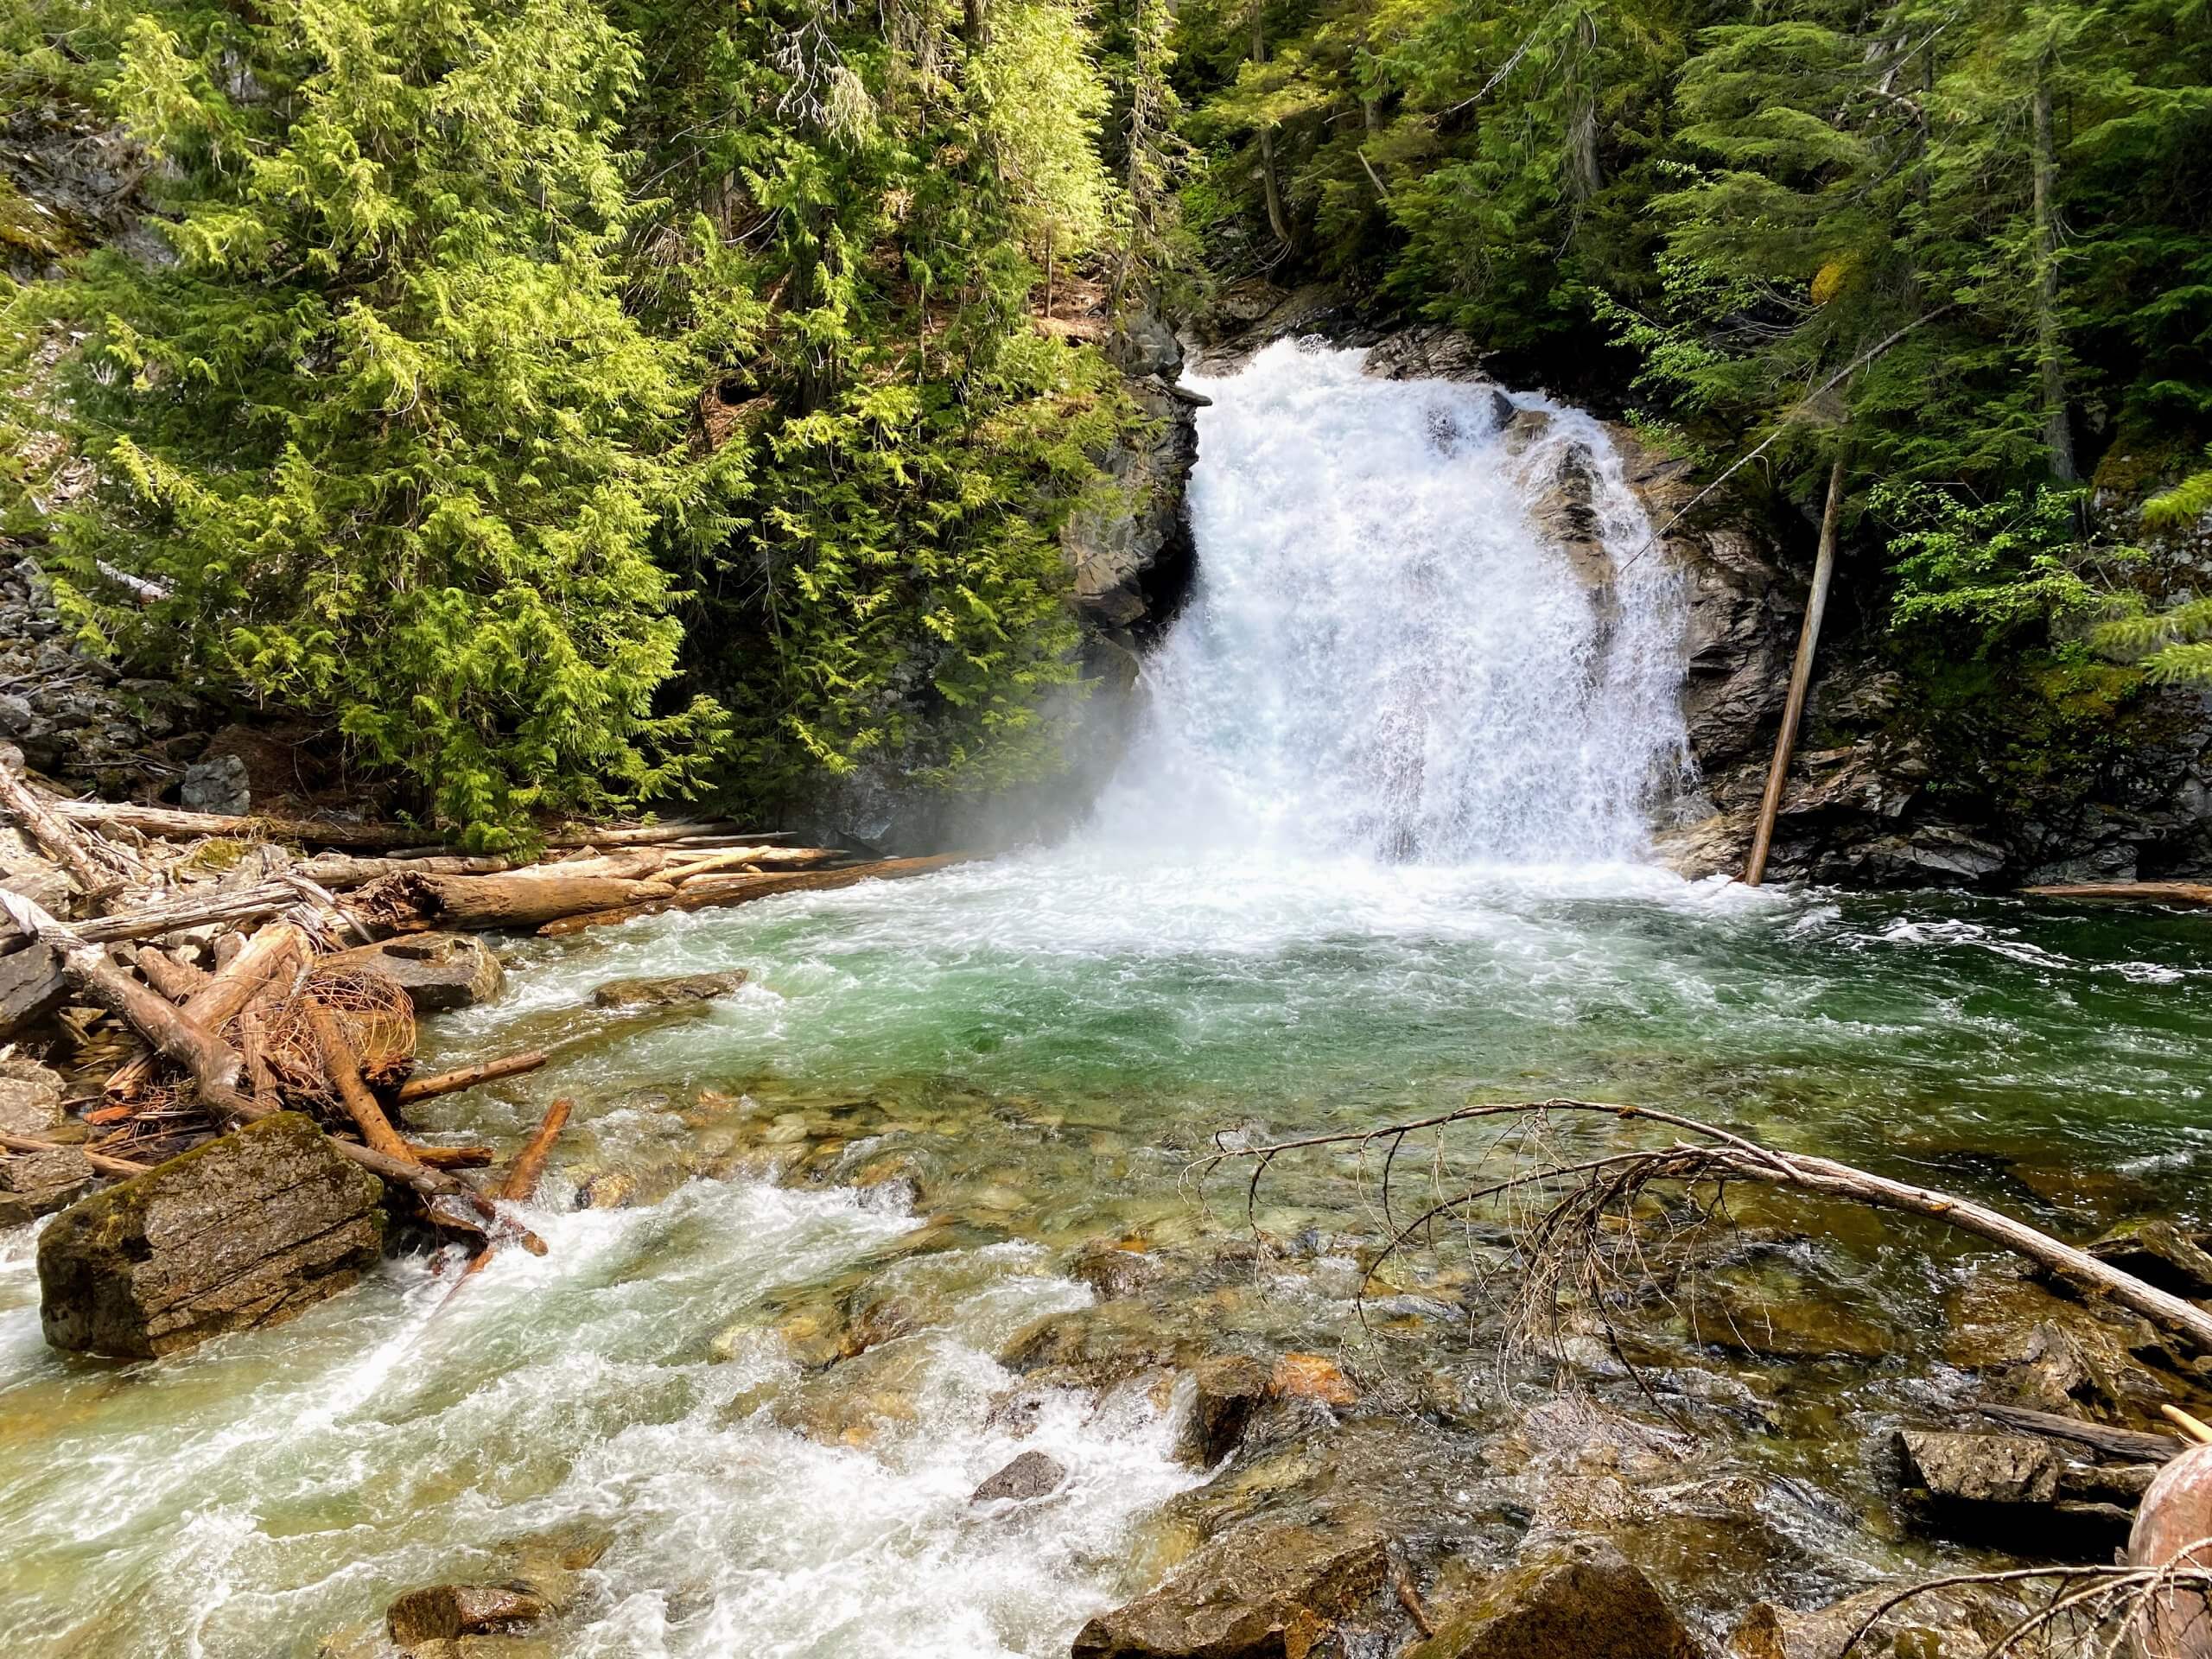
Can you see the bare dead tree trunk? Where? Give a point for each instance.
(1270, 185)
(1801, 678)
(2050, 343)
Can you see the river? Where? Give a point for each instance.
(1377, 853)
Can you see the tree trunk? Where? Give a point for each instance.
(975, 25)
(2050, 343)
(280, 948)
(1278, 219)
(98, 882)
(344, 1066)
(1801, 677)
(522, 898)
(468, 1076)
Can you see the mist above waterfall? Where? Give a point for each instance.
(1383, 655)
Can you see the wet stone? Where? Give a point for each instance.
(1113, 1273)
(438, 971)
(668, 992)
(1031, 1475)
(1228, 1390)
(39, 1183)
(446, 1611)
(1957, 1619)
(1575, 1597)
(1256, 1593)
(30, 1097)
(248, 1229)
(2007, 1469)
(1313, 1376)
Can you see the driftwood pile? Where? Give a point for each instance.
(234, 983)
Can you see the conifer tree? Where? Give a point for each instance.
(375, 425)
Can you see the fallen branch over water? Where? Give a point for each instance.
(2126, 892)
(711, 891)
(468, 1076)
(1581, 1211)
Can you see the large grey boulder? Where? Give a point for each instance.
(667, 992)
(438, 971)
(31, 987)
(248, 1229)
(30, 1099)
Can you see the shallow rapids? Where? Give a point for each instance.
(932, 1094)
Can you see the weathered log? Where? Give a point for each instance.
(99, 1161)
(2129, 1444)
(344, 1066)
(274, 950)
(173, 823)
(98, 880)
(215, 1065)
(684, 867)
(451, 1157)
(468, 1076)
(2126, 892)
(519, 1185)
(1801, 677)
(520, 898)
(655, 835)
(176, 979)
(339, 871)
(711, 891)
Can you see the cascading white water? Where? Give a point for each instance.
(1383, 655)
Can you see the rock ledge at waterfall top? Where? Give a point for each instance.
(1871, 801)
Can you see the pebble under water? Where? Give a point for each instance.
(932, 1094)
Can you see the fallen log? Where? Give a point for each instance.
(98, 880)
(451, 1157)
(99, 1161)
(214, 1065)
(344, 1066)
(468, 1076)
(2129, 1444)
(173, 823)
(682, 869)
(176, 979)
(2126, 892)
(279, 949)
(712, 892)
(519, 1185)
(521, 898)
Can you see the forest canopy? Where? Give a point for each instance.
(590, 403)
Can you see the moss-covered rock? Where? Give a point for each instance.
(248, 1229)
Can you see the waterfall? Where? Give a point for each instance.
(1384, 654)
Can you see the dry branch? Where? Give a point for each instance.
(710, 891)
(345, 1068)
(468, 1076)
(177, 981)
(1588, 1208)
(281, 949)
(97, 879)
(99, 1161)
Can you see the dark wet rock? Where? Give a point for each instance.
(1131, 551)
(1095, 1347)
(31, 1098)
(447, 1612)
(484, 1647)
(1957, 1620)
(2053, 1353)
(1258, 1592)
(218, 784)
(877, 1320)
(668, 992)
(552, 1564)
(1228, 1390)
(248, 1229)
(438, 971)
(1115, 1272)
(31, 987)
(1031, 1475)
(1576, 1597)
(39, 1183)
(2001, 1469)
(2160, 1253)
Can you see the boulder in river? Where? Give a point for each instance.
(437, 970)
(247, 1229)
(1564, 1597)
(30, 1097)
(1230, 1388)
(1257, 1592)
(448, 1611)
(1960, 1619)
(39, 1183)
(1031, 1475)
(31, 987)
(668, 992)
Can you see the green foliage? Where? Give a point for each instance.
(382, 432)
(1993, 567)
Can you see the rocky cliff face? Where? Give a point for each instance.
(1885, 790)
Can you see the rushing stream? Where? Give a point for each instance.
(1376, 855)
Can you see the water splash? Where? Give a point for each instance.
(1384, 654)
